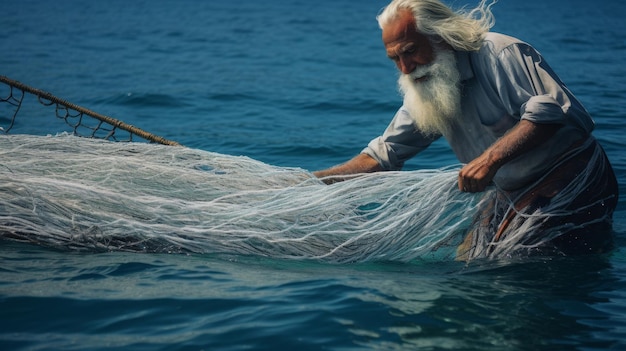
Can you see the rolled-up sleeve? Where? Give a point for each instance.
(400, 142)
(527, 83)
(543, 109)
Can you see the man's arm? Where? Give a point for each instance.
(522, 138)
(362, 163)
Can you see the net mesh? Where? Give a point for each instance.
(91, 195)
(88, 195)
(81, 121)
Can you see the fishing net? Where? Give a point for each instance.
(89, 195)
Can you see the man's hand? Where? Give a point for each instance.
(477, 174)
(522, 138)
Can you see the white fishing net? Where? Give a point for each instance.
(90, 195)
(80, 194)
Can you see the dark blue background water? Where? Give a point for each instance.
(291, 83)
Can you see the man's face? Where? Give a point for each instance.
(430, 79)
(408, 48)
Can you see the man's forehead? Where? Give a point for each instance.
(400, 28)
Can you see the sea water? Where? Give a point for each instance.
(290, 85)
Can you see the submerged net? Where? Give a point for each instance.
(90, 195)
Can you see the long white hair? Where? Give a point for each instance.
(462, 29)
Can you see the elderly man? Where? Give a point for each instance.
(508, 117)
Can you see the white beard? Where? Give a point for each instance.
(435, 103)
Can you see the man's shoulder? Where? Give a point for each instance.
(496, 49)
(496, 42)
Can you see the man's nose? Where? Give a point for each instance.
(406, 65)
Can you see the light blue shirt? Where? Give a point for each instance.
(505, 81)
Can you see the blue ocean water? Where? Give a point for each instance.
(294, 84)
